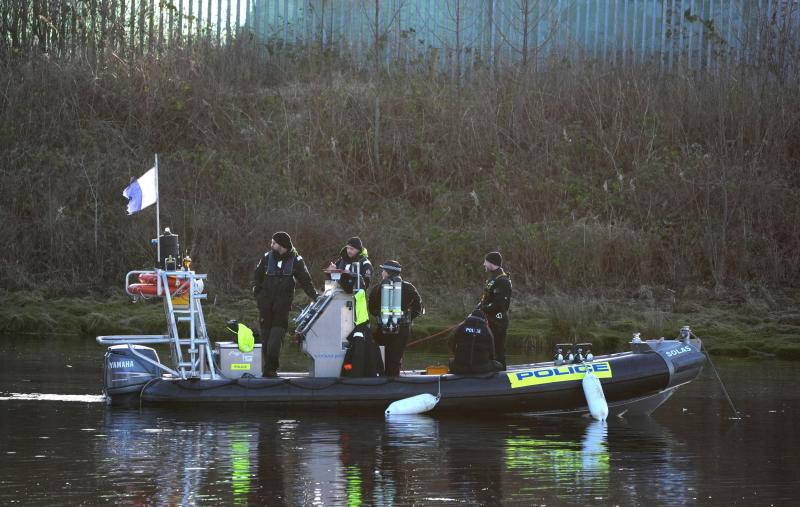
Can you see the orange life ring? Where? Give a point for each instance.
(152, 279)
(148, 289)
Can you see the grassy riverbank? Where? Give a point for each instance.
(755, 324)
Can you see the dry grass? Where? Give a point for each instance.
(581, 178)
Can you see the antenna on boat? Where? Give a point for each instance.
(158, 215)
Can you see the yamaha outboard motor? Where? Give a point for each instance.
(125, 373)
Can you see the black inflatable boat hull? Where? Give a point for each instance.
(633, 382)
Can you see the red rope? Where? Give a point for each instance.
(435, 335)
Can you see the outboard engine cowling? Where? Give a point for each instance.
(124, 373)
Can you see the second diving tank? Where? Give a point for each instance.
(397, 305)
(386, 302)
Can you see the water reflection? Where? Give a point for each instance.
(240, 442)
(169, 458)
(651, 463)
(73, 448)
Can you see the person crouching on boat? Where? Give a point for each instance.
(495, 302)
(394, 335)
(353, 259)
(472, 346)
(273, 287)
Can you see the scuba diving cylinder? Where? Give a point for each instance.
(579, 354)
(686, 333)
(397, 305)
(558, 358)
(386, 302)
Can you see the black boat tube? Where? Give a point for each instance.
(683, 358)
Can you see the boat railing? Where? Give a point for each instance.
(192, 354)
(312, 312)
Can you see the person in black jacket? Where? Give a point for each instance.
(495, 302)
(411, 304)
(472, 346)
(273, 287)
(353, 258)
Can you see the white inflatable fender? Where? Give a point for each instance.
(414, 405)
(595, 398)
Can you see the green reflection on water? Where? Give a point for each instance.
(353, 475)
(240, 467)
(537, 456)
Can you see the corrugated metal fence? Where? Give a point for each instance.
(453, 35)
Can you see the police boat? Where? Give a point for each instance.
(201, 373)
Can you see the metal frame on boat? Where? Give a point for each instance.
(189, 286)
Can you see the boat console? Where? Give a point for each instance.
(324, 327)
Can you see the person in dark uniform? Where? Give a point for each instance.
(363, 357)
(411, 305)
(472, 346)
(353, 258)
(495, 302)
(273, 287)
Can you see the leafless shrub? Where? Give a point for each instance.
(581, 178)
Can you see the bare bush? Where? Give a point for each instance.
(581, 177)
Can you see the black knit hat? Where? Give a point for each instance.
(495, 258)
(356, 243)
(392, 267)
(283, 239)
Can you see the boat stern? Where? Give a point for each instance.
(124, 372)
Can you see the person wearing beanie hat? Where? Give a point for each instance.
(273, 286)
(494, 258)
(472, 346)
(356, 243)
(411, 303)
(495, 302)
(283, 239)
(354, 259)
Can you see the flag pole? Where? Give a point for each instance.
(158, 219)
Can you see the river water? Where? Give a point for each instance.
(60, 444)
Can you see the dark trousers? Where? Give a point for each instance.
(499, 328)
(273, 321)
(395, 344)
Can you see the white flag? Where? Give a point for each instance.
(142, 193)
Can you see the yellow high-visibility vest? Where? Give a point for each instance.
(361, 314)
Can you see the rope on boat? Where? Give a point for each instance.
(141, 393)
(434, 335)
(736, 414)
(186, 384)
